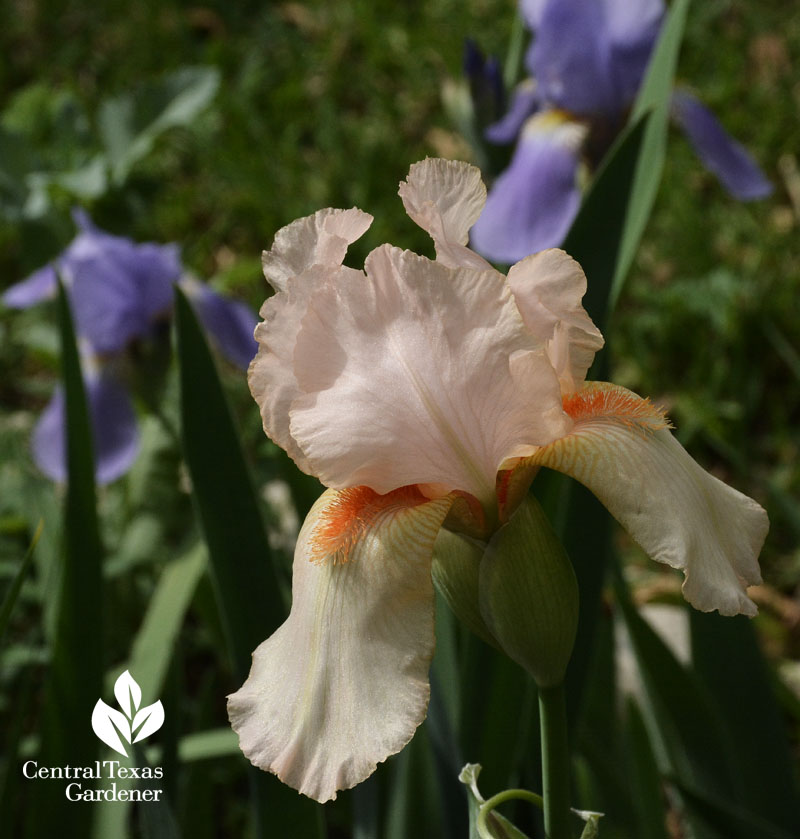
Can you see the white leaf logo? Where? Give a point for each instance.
(125, 689)
(150, 718)
(104, 719)
(108, 724)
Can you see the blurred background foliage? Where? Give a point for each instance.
(708, 324)
(244, 116)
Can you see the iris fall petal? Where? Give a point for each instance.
(115, 433)
(343, 683)
(719, 152)
(621, 449)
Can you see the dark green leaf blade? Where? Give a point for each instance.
(689, 739)
(225, 499)
(729, 661)
(13, 591)
(75, 679)
(645, 781)
(596, 236)
(727, 818)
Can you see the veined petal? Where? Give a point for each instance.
(718, 151)
(548, 288)
(343, 683)
(533, 203)
(422, 374)
(115, 433)
(445, 197)
(621, 449)
(321, 239)
(271, 374)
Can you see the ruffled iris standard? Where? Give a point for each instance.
(426, 394)
(121, 292)
(587, 61)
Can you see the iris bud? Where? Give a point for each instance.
(455, 571)
(528, 594)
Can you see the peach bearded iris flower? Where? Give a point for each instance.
(427, 394)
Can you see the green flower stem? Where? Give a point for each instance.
(496, 800)
(555, 761)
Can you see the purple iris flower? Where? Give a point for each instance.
(121, 293)
(587, 61)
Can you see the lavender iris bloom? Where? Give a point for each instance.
(121, 293)
(587, 61)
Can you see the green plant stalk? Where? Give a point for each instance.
(485, 811)
(555, 761)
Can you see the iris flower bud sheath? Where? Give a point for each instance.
(517, 592)
(529, 594)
